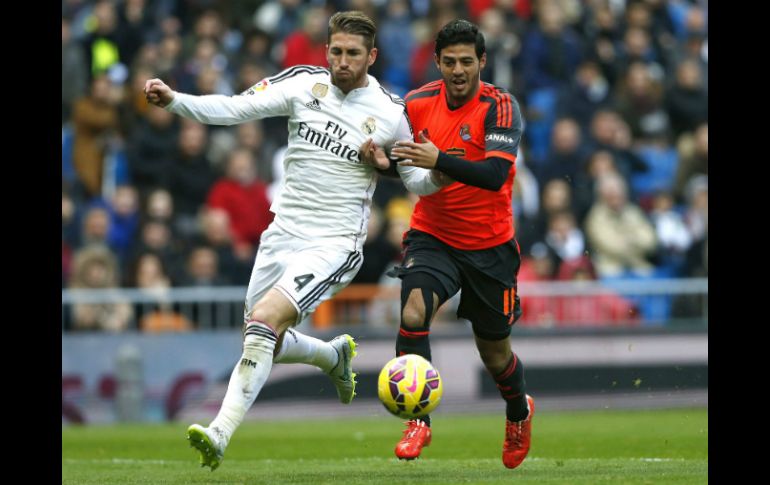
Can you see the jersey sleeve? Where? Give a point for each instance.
(421, 181)
(503, 128)
(265, 99)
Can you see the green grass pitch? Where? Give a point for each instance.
(597, 447)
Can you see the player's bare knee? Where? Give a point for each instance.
(263, 313)
(421, 296)
(275, 311)
(419, 308)
(413, 316)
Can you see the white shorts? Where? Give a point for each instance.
(307, 272)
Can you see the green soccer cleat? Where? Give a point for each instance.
(342, 374)
(208, 442)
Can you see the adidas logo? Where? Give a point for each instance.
(314, 105)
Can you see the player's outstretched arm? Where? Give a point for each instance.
(213, 109)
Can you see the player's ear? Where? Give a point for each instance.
(483, 61)
(372, 56)
(436, 59)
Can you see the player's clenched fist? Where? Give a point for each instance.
(158, 93)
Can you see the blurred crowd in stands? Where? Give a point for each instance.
(612, 174)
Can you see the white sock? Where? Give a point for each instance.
(247, 379)
(299, 348)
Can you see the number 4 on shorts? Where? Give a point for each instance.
(303, 280)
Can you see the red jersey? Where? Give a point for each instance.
(489, 125)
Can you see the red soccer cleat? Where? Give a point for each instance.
(517, 438)
(415, 437)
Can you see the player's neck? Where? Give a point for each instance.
(361, 84)
(456, 103)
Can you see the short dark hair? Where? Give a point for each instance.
(460, 31)
(353, 22)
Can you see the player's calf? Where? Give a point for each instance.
(246, 381)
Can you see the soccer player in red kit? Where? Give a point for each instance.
(462, 237)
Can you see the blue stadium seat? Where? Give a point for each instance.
(661, 170)
(655, 310)
(67, 142)
(541, 115)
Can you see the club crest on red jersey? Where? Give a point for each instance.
(465, 132)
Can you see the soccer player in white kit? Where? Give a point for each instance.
(313, 247)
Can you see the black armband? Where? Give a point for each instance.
(489, 174)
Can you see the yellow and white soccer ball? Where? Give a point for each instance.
(409, 386)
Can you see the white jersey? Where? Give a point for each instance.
(326, 191)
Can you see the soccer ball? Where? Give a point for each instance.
(409, 386)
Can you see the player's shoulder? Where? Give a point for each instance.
(426, 91)
(490, 91)
(503, 108)
(395, 99)
(297, 72)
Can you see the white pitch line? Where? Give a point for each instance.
(124, 461)
(132, 461)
